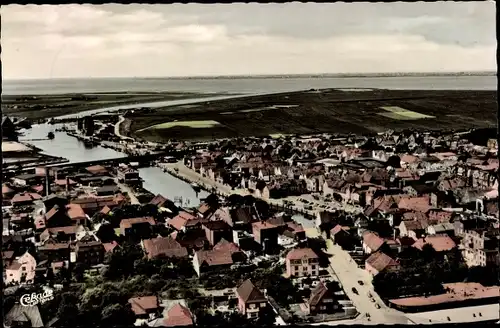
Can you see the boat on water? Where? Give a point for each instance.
(50, 135)
(195, 186)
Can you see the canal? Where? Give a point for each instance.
(155, 180)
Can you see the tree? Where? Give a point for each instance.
(78, 272)
(117, 315)
(68, 310)
(121, 262)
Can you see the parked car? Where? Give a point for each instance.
(360, 282)
(377, 306)
(354, 290)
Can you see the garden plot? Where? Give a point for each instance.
(398, 113)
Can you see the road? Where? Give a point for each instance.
(117, 129)
(129, 191)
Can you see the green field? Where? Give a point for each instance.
(398, 113)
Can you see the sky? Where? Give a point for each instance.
(58, 41)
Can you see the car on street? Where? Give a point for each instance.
(377, 306)
(370, 295)
(354, 290)
(372, 299)
(360, 282)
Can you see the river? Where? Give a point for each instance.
(155, 180)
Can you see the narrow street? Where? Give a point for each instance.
(129, 191)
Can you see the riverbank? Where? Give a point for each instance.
(362, 112)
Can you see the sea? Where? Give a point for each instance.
(251, 85)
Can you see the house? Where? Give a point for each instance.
(372, 242)
(480, 248)
(163, 247)
(440, 243)
(178, 316)
(379, 262)
(413, 229)
(418, 204)
(212, 260)
(184, 221)
(192, 239)
(251, 301)
(301, 262)
(25, 180)
(21, 270)
(128, 176)
(217, 230)
(138, 227)
(322, 300)
(295, 231)
(236, 253)
(441, 228)
(97, 170)
(55, 251)
(242, 218)
(65, 233)
(24, 199)
(266, 234)
(107, 190)
(341, 236)
(144, 307)
(89, 253)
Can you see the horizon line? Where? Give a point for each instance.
(282, 75)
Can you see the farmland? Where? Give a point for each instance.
(322, 111)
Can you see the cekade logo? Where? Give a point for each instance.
(35, 299)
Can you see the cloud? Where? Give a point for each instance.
(165, 40)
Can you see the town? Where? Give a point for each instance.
(397, 227)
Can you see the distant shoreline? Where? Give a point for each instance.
(276, 76)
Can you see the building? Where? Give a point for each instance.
(178, 316)
(21, 270)
(266, 235)
(379, 262)
(251, 301)
(322, 300)
(341, 236)
(211, 260)
(480, 248)
(440, 243)
(89, 253)
(137, 227)
(163, 247)
(128, 176)
(217, 230)
(372, 242)
(302, 262)
(144, 307)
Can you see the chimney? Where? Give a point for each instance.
(47, 181)
(67, 184)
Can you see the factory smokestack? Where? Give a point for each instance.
(47, 181)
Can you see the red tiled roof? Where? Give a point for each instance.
(163, 247)
(181, 220)
(109, 247)
(6, 190)
(410, 159)
(14, 266)
(335, 230)
(105, 210)
(97, 169)
(317, 294)
(440, 243)
(217, 225)
(214, 257)
(372, 240)
(457, 292)
(419, 204)
(381, 261)
(414, 216)
(249, 293)
(75, 212)
(178, 316)
(301, 253)
(127, 223)
(62, 182)
(25, 197)
(141, 305)
(225, 245)
(295, 227)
